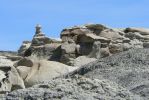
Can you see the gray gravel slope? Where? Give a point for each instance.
(129, 69)
(76, 88)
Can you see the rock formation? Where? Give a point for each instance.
(83, 41)
(91, 40)
(25, 45)
(34, 71)
(82, 38)
(9, 77)
(91, 62)
(41, 46)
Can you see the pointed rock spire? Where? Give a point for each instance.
(38, 29)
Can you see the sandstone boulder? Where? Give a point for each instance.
(9, 77)
(42, 71)
(23, 71)
(142, 31)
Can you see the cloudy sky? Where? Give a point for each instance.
(19, 17)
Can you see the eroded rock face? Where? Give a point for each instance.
(91, 40)
(41, 46)
(34, 71)
(112, 40)
(68, 51)
(95, 53)
(9, 77)
(102, 78)
(25, 45)
(142, 31)
(85, 39)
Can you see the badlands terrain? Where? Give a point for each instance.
(90, 62)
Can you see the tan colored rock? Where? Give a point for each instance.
(23, 71)
(83, 60)
(79, 41)
(111, 34)
(5, 86)
(68, 47)
(16, 81)
(9, 77)
(134, 35)
(25, 45)
(68, 53)
(96, 28)
(142, 31)
(43, 47)
(97, 38)
(43, 71)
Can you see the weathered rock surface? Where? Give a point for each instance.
(142, 31)
(92, 40)
(83, 60)
(119, 76)
(41, 46)
(112, 40)
(77, 88)
(9, 77)
(34, 71)
(128, 69)
(25, 45)
(68, 51)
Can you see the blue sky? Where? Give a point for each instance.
(19, 17)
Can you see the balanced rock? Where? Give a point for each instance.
(41, 46)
